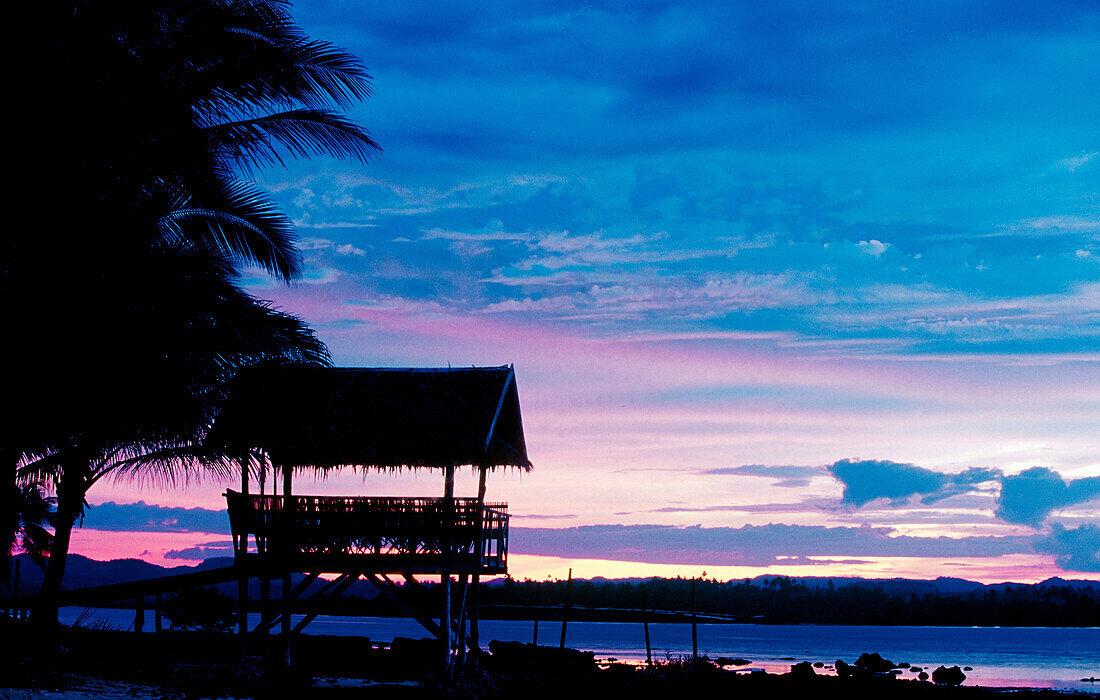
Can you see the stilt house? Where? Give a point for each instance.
(323, 419)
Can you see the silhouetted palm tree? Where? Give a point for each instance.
(125, 285)
(152, 107)
(195, 328)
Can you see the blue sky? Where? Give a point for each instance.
(867, 177)
(771, 236)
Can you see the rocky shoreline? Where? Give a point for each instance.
(106, 663)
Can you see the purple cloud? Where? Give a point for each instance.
(1076, 549)
(870, 480)
(749, 545)
(1029, 497)
(786, 476)
(146, 517)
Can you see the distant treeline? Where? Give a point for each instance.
(785, 601)
(775, 600)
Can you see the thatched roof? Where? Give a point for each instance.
(384, 418)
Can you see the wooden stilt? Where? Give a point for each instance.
(286, 599)
(445, 575)
(157, 623)
(565, 608)
(475, 601)
(694, 629)
(538, 601)
(465, 586)
(265, 603)
(445, 630)
(286, 592)
(139, 615)
(645, 624)
(241, 543)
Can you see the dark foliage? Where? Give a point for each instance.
(122, 275)
(785, 601)
(204, 609)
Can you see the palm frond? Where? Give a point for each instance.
(168, 467)
(245, 224)
(280, 68)
(36, 542)
(302, 132)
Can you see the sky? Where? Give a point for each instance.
(801, 288)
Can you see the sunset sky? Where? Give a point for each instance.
(803, 288)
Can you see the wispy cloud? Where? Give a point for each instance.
(787, 476)
(1073, 163)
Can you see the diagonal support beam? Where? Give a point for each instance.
(389, 589)
(434, 628)
(338, 581)
(340, 588)
(303, 585)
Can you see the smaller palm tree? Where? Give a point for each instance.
(27, 511)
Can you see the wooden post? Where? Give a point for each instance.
(694, 631)
(16, 589)
(242, 580)
(445, 631)
(265, 603)
(479, 544)
(465, 586)
(139, 616)
(565, 608)
(645, 624)
(286, 554)
(157, 623)
(538, 601)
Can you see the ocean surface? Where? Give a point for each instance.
(1035, 657)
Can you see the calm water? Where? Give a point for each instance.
(1001, 656)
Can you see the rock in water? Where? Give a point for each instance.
(874, 663)
(803, 670)
(727, 661)
(922, 676)
(842, 668)
(517, 656)
(948, 676)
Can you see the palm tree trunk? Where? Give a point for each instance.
(10, 521)
(70, 501)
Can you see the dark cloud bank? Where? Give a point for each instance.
(749, 545)
(1027, 498)
(145, 517)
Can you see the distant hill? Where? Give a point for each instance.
(763, 599)
(894, 586)
(81, 572)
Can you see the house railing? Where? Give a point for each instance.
(422, 534)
